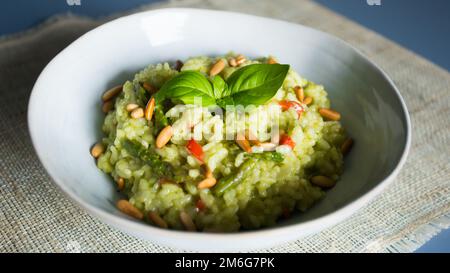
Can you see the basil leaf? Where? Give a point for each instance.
(220, 87)
(186, 86)
(256, 83)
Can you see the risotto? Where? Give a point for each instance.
(220, 144)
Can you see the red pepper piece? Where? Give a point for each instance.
(200, 205)
(287, 140)
(195, 149)
(286, 104)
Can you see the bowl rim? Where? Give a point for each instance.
(127, 223)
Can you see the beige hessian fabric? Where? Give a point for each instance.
(36, 217)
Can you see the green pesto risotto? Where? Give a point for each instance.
(220, 144)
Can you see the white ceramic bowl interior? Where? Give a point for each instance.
(65, 111)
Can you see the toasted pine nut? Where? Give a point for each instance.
(125, 207)
(299, 93)
(157, 220)
(120, 183)
(111, 93)
(164, 136)
(207, 183)
(243, 143)
(254, 141)
(232, 62)
(149, 88)
(178, 65)
(307, 100)
(329, 114)
(131, 106)
(252, 138)
(149, 109)
(271, 60)
(240, 59)
(97, 150)
(217, 67)
(268, 146)
(346, 146)
(187, 221)
(107, 106)
(323, 181)
(137, 113)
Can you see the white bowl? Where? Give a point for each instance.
(65, 118)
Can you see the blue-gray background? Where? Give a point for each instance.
(422, 26)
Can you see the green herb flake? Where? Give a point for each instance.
(136, 149)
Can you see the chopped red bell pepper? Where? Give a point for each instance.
(195, 149)
(287, 140)
(200, 205)
(286, 104)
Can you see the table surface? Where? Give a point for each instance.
(421, 26)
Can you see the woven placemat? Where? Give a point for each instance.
(36, 217)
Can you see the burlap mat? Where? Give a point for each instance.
(36, 217)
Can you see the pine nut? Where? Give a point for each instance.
(157, 220)
(149, 88)
(164, 136)
(240, 59)
(252, 138)
(268, 146)
(346, 146)
(232, 62)
(125, 207)
(271, 60)
(299, 93)
(243, 143)
(97, 150)
(111, 93)
(307, 100)
(107, 106)
(120, 183)
(217, 67)
(131, 106)
(207, 183)
(323, 181)
(149, 109)
(329, 114)
(137, 113)
(187, 221)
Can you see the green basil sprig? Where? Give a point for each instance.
(252, 84)
(257, 83)
(184, 87)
